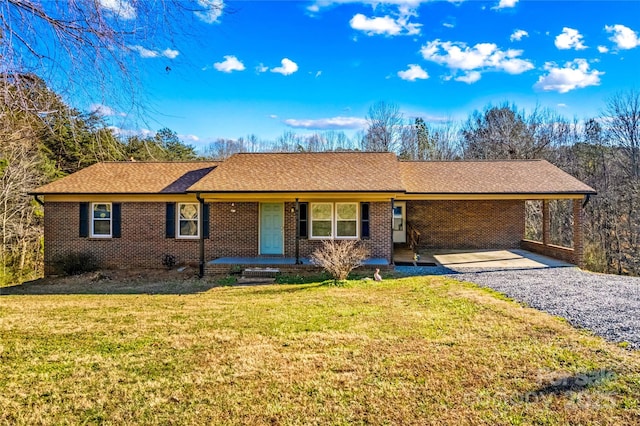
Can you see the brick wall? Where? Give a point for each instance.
(472, 224)
(142, 244)
(233, 232)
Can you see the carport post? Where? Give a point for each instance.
(546, 233)
(578, 249)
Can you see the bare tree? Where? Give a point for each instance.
(91, 45)
(385, 127)
(622, 123)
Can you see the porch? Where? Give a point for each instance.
(287, 265)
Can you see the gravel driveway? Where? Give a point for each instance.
(608, 305)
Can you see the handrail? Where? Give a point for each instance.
(414, 237)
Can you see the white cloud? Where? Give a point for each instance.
(574, 75)
(144, 52)
(561, 105)
(262, 68)
(386, 25)
(189, 138)
(318, 73)
(211, 10)
(230, 64)
(457, 56)
(121, 8)
(288, 67)
(333, 123)
(149, 53)
(569, 39)
(624, 37)
(505, 4)
(603, 49)
(170, 53)
(413, 73)
(518, 35)
(105, 111)
(273, 116)
(448, 25)
(470, 77)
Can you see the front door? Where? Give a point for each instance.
(271, 226)
(399, 222)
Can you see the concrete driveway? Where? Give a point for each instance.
(493, 259)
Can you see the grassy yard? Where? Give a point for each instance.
(408, 351)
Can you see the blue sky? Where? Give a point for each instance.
(266, 67)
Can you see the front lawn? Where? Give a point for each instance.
(406, 351)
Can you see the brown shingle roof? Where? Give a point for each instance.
(131, 178)
(320, 172)
(489, 177)
(305, 172)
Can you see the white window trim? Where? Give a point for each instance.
(334, 222)
(93, 219)
(187, 237)
(311, 220)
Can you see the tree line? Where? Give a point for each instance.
(42, 139)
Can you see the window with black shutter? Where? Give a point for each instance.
(365, 230)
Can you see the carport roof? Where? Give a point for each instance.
(488, 177)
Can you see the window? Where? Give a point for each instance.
(329, 220)
(188, 215)
(321, 220)
(346, 220)
(101, 220)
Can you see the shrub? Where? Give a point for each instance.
(76, 263)
(339, 258)
(168, 261)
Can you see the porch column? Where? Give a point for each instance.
(201, 239)
(546, 222)
(393, 201)
(578, 249)
(297, 231)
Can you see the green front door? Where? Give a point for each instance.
(271, 225)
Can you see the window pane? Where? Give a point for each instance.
(346, 228)
(321, 211)
(346, 211)
(188, 228)
(102, 211)
(188, 211)
(321, 228)
(101, 227)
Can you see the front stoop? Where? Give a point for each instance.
(259, 276)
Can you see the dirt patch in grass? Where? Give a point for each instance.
(426, 350)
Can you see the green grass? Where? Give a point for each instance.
(405, 351)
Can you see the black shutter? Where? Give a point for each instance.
(115, 211)
(170, 225)
(365, 232)
(84, 220)
(205, 220)
(304, 220)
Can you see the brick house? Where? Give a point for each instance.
(281, 206)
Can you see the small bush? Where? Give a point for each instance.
(168, 261)
(339, 258)
(76, 263)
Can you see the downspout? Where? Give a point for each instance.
(201, 239)
(297, 231)
(586, 200)
(38, 200)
